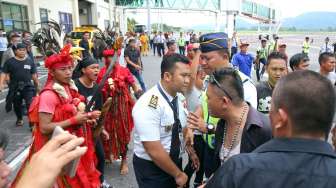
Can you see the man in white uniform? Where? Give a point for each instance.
(159, 118)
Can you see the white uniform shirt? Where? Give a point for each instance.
(250, 91)
(155, 122)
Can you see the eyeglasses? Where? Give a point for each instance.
(213, 80)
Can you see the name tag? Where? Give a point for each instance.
(27, 67)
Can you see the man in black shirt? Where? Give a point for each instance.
(298, 156)
(132, 57)
(276, 68)
(84, 43)
(20, 71)
(86, 86)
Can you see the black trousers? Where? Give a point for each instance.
(100, 157)
(154, 48)
(151, 42)
(160, 49)
(148, 175)
(182, 50)
(26, 94)
(199, 149)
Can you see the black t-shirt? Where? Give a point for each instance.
(264, 96)
(19, 71)
(88, 94)
(133, 55)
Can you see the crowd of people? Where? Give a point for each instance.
(234, 131)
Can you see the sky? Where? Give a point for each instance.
(292, 8)
(287, 8)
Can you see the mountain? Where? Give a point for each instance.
(306, 21)
(311, 21)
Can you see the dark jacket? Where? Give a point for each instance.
(85, 44)
(290, 163)
(256, 132)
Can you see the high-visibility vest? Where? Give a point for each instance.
(305, 47)
(181, 42)
(208, 138)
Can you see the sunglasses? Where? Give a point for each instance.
(213, 80)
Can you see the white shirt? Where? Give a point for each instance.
(227, 153)
(3, 44)
(160, 39)
(332, 77)
(250, 91)
(154, 122)
(187, 37)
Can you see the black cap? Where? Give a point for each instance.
(19, 46)
(87, 62)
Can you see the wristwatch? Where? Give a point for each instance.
(210, 128)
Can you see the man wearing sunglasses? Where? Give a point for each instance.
(215, 55)
(298, 155)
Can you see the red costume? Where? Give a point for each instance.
(67, 99)
(118, 120)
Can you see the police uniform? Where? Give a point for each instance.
(213, 42)
(155, 120)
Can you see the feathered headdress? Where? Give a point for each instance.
(59, 60)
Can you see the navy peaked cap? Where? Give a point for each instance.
(213, 41)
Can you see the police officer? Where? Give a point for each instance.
(215, 55)
(160, 118)
(23, 81)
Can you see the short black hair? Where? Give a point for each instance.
(296, 59)
(25, 33)
(230, 79)
(309, 100)
(170, 43)
(324, 56)
(169, 61)
(3, 139)
(131, 40)
(275, 55)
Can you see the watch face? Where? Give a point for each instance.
(210, 126)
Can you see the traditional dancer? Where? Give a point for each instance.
(118, 120)
(60, 104)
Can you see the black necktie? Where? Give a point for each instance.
(175, 140)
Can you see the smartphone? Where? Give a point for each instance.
(71, 168)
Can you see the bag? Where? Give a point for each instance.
(33, 112)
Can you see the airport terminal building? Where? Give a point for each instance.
(26, 14)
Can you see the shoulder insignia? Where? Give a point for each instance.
(153, 101)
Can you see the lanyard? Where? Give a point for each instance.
(170, 104)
